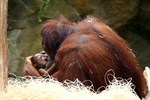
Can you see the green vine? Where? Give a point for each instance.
(43, 7)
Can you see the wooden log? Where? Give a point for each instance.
(3, 44)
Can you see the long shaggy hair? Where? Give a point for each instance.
(87, 50)
(53, 34)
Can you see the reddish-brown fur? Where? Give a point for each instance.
(53, 34)
(89, 49)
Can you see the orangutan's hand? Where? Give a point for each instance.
(29, 69)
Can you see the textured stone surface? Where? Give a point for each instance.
(115, 12)
(143, 19)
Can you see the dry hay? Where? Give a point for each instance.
(51, 89)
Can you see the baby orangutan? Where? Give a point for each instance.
(41, 62)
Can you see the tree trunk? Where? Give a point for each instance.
(3, 44)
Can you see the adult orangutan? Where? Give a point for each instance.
(87, 51)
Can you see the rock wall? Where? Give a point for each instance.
(131, 18)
